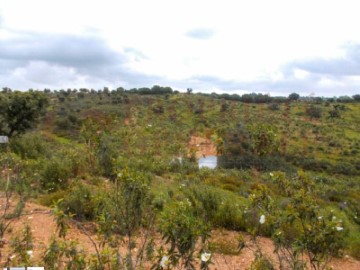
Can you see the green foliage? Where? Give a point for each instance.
(334, 113)
(182, 229)
(106, 155)
(30, 146)
(64, 255)
(356, 97)
(61, 218)
(223, 246)
(55, 174)
(51, 198)
(261, 263)
(274, 106)
(127, 209)
(354, 247)
(82, 201)
(263, 139)
(294, 96)
(301, 228)
(206, 202)
(22, 247)
(20, 111)
(130, 199)
(145, 135)
(314, 111)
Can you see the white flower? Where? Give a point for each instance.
(262, 219)
(339, 229)
(333, 217)
(271, 174)
(205, 256)
(12, 256)
(320, 218)
(29, 252)
(164, 263)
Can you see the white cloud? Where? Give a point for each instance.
(301, 74)
(241, 43)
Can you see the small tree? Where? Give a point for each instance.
(356, 97)
(128, 209)
(181, 228)
(20, 112)
(294, 96)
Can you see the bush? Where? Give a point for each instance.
(82, 201)
(30, 146)
(355, 248)
(314, 111)
(50, 199)
(274, 107)
(55, 174)
(261, 263)
(182, 229)
(229, 217)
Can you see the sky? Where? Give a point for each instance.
(230, 46)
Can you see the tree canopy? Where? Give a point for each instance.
(20, 111)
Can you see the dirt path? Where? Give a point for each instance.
(43, 227)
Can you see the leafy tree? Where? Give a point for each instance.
(356, 97)
(294, 96)
(20, 112)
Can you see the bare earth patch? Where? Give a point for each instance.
(201, 146)
(43, 226)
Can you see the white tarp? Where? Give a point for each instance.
(4, 139)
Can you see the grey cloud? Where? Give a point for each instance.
(36, 60)
(348, 65)
(39, 60)
(281, 87)
(201, 33)
(63, 50)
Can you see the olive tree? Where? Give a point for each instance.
(20, 111)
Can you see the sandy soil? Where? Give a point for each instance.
(43, 227)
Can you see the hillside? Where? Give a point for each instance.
(120, 169)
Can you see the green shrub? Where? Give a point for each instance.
(55, 174)
(314, 111)
(31, 146)
(82, 201)
(274, 106)
(182, 229)
(51, 198)
(354, 248)
(229, 217)
(261, 263)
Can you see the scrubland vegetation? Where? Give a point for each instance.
(120, 162)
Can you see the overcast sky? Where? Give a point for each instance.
(276, 47)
